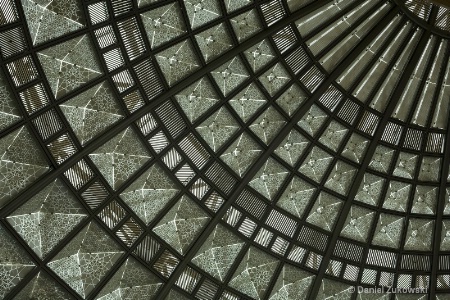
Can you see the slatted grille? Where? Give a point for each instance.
(313, 238)
(98, 12)
(123, 81)
(247, 227)
(349, 111)
(188, 279)
(8, 12)
(62, 148)
(22, 70)
(113, 59)
(133, 101)
(199, 188)
(221, 178)
(194, 150)
(121, 6)
(131, 36)
(281, 223)
(331, 97)
(48, 124)
(105, 36)
(95, 194)
(112, 214)
(147, 249)
(12, 42)
(392, 133)
(313, 78)
(263, 237)
(147, 124)
(285, 39)
(207, 290)
(348, 251)
(129, 232)
(415, 262)
(251, 204)
(369, 123)
(149, 79)
(79, 174)
(166, 263)
(34, 98)
(214, 202)
(381, 258)
(413, 139)
(435, 142)
(273, 11)
(298, 60)
(171, 118)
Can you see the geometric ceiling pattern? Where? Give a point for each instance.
(178, 149)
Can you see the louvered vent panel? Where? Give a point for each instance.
(313, 78)
(171, 119)
(297, 254)
(133, 101)
(185, 174)
(79, 174)
(207, 290)
(12, 42)
(349, 111)
(34, 98)
(121, 6)
(221, 178)
(105, 36)
(251, 204)
(95, 194)
(263, 237)
(285, 39)
(348, 251)
(62, 148)
(273, 11)
(297, 60)
(351, 273)
(112, 214)
(8, 12)
(282, 223)
(147, 249)
(232, 216)
(392, 133)
(313, 238)
(158, 141)
(334, 268)
(131, 37)
(381, 258)
(199, 188)
(123, 81)
(47, 124)
(247, 227)
(420, 8)
(149, 79)
(194, 150)
(435, 142)
(443, 18)
(443, 281)
(113, 59)
(22, 70)
(369, 276)
(280, 246)
(166, 263)
(444, 262)
(229, 296)
(98, 12)
(147, 124)
(413, 139)
(172, 158)
(313, 260)
(129, 232)
(416, 262)
(331, 98)
(188, 280)
(368, 123)
(214, 202)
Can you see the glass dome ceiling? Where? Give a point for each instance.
(237, 149)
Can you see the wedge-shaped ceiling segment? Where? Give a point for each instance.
(182, 223)
(49, 19)
(70, 65)
(45, 219)
(120, 157)
(14, 263)
(92, 112)
(89, 257)
(218, 252)
(21, 163)
(254, 273)
(131, 281)
(150, 193)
